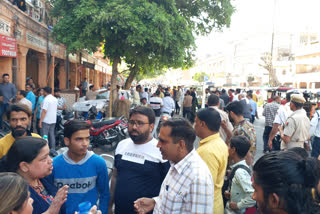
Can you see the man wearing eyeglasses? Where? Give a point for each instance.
(139, 168)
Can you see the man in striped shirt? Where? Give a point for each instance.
(188, 186)
(269, 111)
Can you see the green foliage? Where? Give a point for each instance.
(199, 76)
(149, 75)
(205, 15)
(148, 35)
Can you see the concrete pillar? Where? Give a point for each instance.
(96, 80)
(42, 74)
(51, 73)
(6, 66)
(22, 67)
(62, 76)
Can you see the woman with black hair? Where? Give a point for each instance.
(29, 157)
(283, 182)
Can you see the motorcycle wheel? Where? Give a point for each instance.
(106, 145)
(60, 140)
(111, 147)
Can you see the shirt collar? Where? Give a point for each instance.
(210, 138)
(243, 162)
(184, 163)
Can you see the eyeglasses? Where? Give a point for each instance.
(136, 122)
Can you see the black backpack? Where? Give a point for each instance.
(227, 183)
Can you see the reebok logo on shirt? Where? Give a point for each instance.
(77, 185)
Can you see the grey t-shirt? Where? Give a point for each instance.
(8, 92)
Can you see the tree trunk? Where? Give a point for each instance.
(132, 75)
(273, 80)
(114, 81)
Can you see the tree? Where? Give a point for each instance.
(205, 15)
(200, 76)
(145, 34)
(267, 64)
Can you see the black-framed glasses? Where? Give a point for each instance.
(136, 122)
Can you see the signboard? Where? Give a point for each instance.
(8, 46)
(5, 27)
(88, 65)
(36, 41)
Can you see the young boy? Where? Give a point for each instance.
(83, 171)
(240, 190)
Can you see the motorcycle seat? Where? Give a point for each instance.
(103, 123)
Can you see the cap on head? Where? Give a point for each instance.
(298, 98)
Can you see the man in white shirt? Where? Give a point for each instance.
(281, 116)
(48, 117)
(136, 96)
(213, 102)
(145, 94)
(315, 134)
(21, 98)
(156, 104)
(168, 103)
(188, 187)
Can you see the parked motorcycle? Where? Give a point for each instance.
(66, 116)
(107, 134)
(163, 117)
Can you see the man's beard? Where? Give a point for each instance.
(141, 138)
(18, 131)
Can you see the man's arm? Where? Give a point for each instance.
(112, 189)
(212, 163)
(273, 133)
(43, 115)
(244, 179)
(103, 187)
(229, 133)
(202, 188)
(285, 135)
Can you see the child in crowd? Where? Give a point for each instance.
(239, 190)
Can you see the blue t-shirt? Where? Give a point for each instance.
(40, 100)
(87, 180)
(253, 106)
(32, 98)
(140, 172)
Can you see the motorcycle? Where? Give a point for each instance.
(65, 117)
(163, 117)
(107, 134)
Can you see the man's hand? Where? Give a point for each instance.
(280, 129)
(40, 124)
(270, 144)
(144, 205)
(233, 206)
(227, 195)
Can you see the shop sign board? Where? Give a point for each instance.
(8, 46)
(36, 41)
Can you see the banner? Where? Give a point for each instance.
(8, 46)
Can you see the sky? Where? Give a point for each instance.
(258, 16)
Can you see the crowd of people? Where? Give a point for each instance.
(39, 101)
(163, 172)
